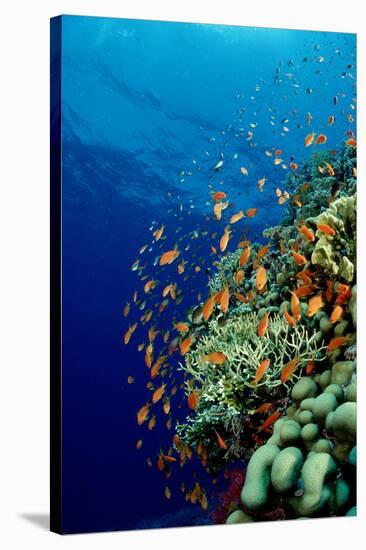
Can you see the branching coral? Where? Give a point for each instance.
(245, 350)
(225, 270)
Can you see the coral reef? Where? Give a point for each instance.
(309, 461)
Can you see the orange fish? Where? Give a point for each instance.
(325, 228)
(337, 342)
(130, 380)
(181, 327)
(315, 304)
(299, 258)
(289, 369)
(307, 232)
(305, 290)
(269, 421)
(293, 166)
(193, 400)
(185, 345)
(290, 320)
(152, 334)
(169, 458)
(278, 152)
(252, 212)
(129, 332)
(322, 138)
(166, 406)
(239, 276)
(152, 422)
(309, 139)
(295, 306)
(126, 310)
(265, 407)
(224, 240)
(336, 314)
(168, 257)
(167, 492)
(263, 325)
(158, 233)
(244, 256)
(310, 368)
(143, 414)
(224, 301)
(239, 297)
(331, 120)
(308, 118)
(344, 294)
(263, 251)
(216, 358)
(149, 355)
(149, 286)
(220, 441)
(208, 308)
(261, 278)
(236, 217)
(330, 168)
(261, 371)
(219, 195)
(305, 276)
(158, 393)
(351, 142)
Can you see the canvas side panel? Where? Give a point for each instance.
(55, 268)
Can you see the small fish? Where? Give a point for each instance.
(299, 258)
(310, 366)
(307, 232)
(290, 320)
(168, 257)
(150, 285)
(151, 422)
(293, 166)
(325, 228)
(251, 212)
(304, 290)
(331, 120)
(321, 138)
(219, 195)
(129, 333)
(181, 327)
(308, 118)
(139, 444)
(220, 441)
(143, 414)
(295, 306)
(244, 171)
(185, 345)
(337, 342)
(351, 142)
(329, 168)
(239, 276)
(158, 393)
(236, 217)
(224, 300)
(193, 400)
(263, 325)
(269, 421)
(263, 251)
(130, 380)
(208, 308)
(126, 309)
(315, 304)
(336, 314)
(224, 240)
(309, 139)
(244, 256)
(265, 407)
(261, 183)
(167, 492)
(261, 278)
(289, 369)
(216, 358)
(261, 371)
(158, 233)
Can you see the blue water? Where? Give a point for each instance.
(143, 101)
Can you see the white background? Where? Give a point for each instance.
(24, 273)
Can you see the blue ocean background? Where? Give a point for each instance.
(148, 108)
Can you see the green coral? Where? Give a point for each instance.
(337, 253)
(314, 473)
